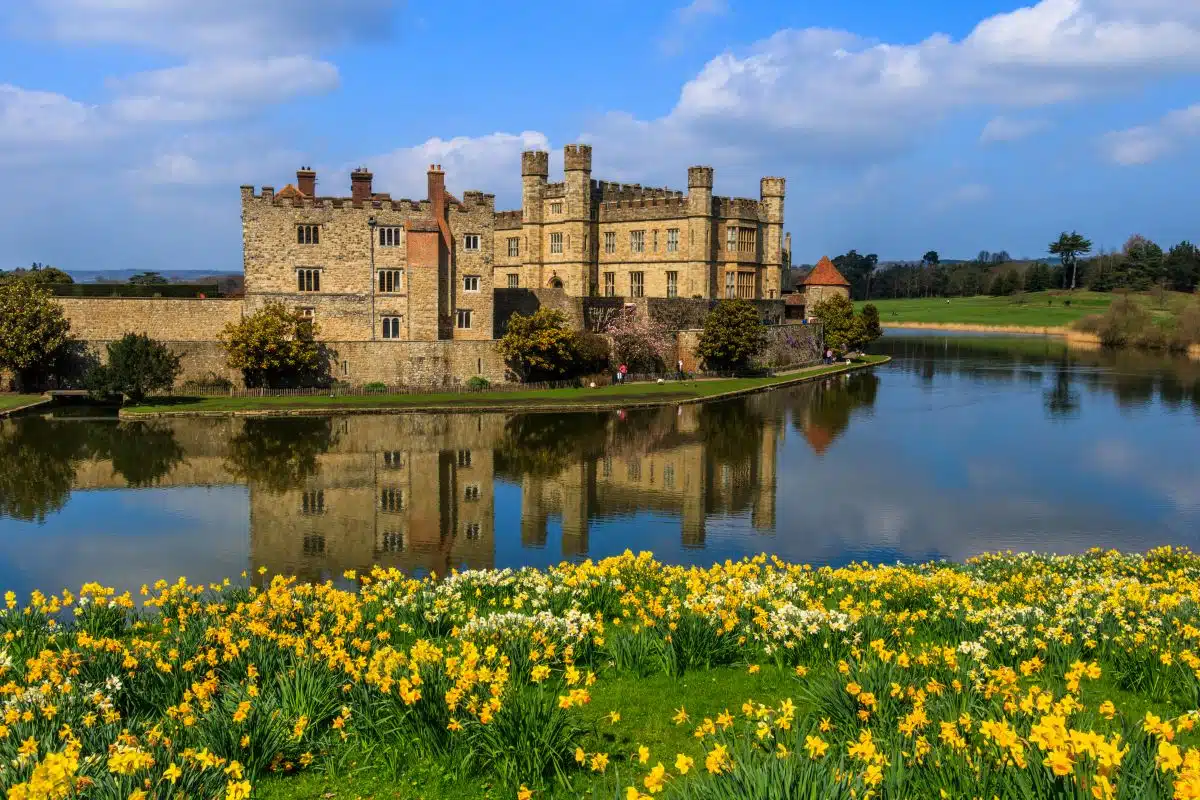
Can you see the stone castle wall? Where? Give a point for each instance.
(166, 319)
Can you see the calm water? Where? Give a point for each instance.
(962, 444)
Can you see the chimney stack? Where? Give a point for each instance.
(360, 185)
(437, 190)
(306, 181)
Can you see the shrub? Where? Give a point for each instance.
(275, 347)
(34, 333)
(593, 352)
(843, 329)
(477, 383)
(871, 325)
(540, 346)
(137, 365)
(375, 387)
(212, 382)
(733, 335)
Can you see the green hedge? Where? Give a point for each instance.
(133, 290)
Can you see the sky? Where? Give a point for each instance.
(127, 126)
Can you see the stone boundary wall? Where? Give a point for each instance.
(164, 318)
(787, 345)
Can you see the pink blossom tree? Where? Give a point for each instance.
(641, 343)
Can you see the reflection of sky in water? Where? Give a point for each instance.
(954, 452)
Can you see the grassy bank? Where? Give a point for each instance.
(564, 399)
(1034, 310)
(1010, 676)
(11, 401)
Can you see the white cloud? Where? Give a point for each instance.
(1146, 143)
(206, 90)
(1008, 129)
(686, 19)
(490, 163)
(30, 117)
(815, 95)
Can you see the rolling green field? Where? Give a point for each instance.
(1039, 309)
(671, 391)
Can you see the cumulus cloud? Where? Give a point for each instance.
(686, 19)
(490, 163)
(29, 117)
(1008, 129)
(812, 95)
(1146, 143)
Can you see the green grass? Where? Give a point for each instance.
(646, 706)
(615, 396)
(1038, 309)
(10, 401)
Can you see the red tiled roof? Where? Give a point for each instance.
(794, 299)
(290, 191)
(825, 274)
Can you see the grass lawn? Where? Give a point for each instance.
(604, 395)
(9, 401)
(1039, 309)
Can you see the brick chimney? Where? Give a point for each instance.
(437, 190)
(306, 181)
(360, 185)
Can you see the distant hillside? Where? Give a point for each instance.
(123, 275)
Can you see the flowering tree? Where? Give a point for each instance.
(640, 342)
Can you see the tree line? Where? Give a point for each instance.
(1140, 265)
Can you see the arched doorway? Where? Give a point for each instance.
(556, 283)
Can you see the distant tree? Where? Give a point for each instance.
(1001, 257)
(275, 347)
(1143, 266)
(1006, 283)
(843, 329)
(137, 365)
(984, 257)
(872, 329)
(1037, 277)
(1182, 266)
(733, 335)
(639, 342)
(858, 270)
(931, 257)
(34, 333)
(148, 279)
(1068, 247)
(540, 346)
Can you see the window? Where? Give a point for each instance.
(314, 544)
(464, 458)
(308, 234)
(391, 236)
(393, 542)
(637, 284)
(731, 233)
(391, 500)
(654, 242)
(464, 318)
(730, 285)
(312, 502)
(637, 241)
(307, 313)
(633, 470)
(471, 492)
(672, 284)
(745, 285)
(391, 280)
(556, 243)
(672, 239)
(471, 241)
(556, 208)
(470, 283)
(471, 530)
(345, 369)
(746, 240)
(610, 284)
(669, 476)
(308, 280)
(393, 459)
(391, 327)
(610, 242)
(514, 246)
(514, 281)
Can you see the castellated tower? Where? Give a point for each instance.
(771, 192)
(535, 169)
(701, 244)
(574, 266)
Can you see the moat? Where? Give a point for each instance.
(962, 444)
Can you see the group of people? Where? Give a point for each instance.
(623, 370)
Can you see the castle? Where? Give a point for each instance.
(416, 291)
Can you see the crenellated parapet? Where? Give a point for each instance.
(738, 208)
(508, 220)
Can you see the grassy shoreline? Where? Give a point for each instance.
(627, 396)
(1010, 675)
(15, 402)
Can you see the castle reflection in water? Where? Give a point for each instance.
(418, 491)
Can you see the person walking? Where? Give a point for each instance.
(679, 369)
(621, 373)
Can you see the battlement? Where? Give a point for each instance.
(268, 196)
(508, 220)
(577, 157)
(605, 192)
(700, 177)
(472, 197)
(772, 187)
(556, 190)
(737, 208)
(535, 163)
(643, 208)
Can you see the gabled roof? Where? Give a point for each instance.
(290, 191)
(825, 274)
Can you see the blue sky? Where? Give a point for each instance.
(126, 126)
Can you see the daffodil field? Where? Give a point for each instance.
(1009, 676)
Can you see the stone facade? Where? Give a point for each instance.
(591, 237)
